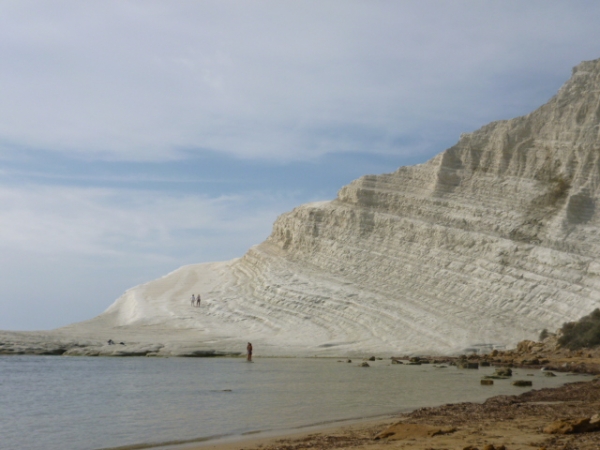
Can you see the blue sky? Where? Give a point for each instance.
(139, 136)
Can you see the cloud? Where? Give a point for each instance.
(131, 80)
(117, 223)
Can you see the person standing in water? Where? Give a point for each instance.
(249, 351)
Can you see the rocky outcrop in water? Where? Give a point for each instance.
(486, 244)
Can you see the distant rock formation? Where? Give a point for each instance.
(484, 245)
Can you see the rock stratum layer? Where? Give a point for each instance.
(486, 244)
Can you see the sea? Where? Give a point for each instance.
(55, 402)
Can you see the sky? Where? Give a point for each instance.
(140, 136)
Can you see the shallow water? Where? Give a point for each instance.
(51, 403)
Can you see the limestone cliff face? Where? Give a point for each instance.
(489, 242)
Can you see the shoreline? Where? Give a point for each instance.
(361, 432)
(516, 422)
(262, 438)
(259, 438)
(512, 421)
(274, 438)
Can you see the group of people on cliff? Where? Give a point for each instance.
(195, 301)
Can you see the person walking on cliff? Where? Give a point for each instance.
(249, 351)
(193, 300)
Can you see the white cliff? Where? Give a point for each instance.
(489, 242)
